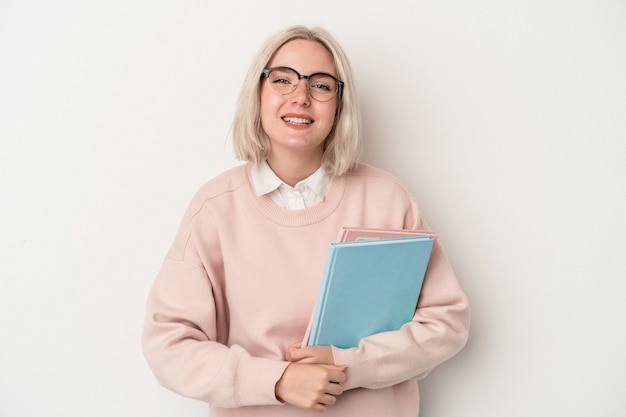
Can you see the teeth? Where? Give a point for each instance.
(297, 120)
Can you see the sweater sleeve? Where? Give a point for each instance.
(185, 335)
(438, 330)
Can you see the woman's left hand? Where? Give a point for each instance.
(310, 354)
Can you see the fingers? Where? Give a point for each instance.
(311, 386)
(336, 373)
(311, 354)
(298, 354)
(294, 346)
(325, 401)
(334, 389)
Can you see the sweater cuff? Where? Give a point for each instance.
(357, 375)
(256, 381)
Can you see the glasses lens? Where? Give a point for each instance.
(322, 87)
(283, 80)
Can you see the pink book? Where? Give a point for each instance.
(350, 234)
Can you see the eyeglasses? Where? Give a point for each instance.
(321, 86)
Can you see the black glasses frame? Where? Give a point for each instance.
(268, 71)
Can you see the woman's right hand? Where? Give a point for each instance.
(311, 386)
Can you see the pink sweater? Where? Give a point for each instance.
(239, 285)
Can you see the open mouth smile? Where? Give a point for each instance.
(297, 120)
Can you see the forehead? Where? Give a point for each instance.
(304, 56)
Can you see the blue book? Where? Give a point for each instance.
(368, 287)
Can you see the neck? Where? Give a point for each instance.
(293, 169)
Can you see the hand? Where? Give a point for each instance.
(310, 354)
(310, 386)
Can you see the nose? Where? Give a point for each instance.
(301, 93)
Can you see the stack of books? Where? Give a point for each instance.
(371, 284)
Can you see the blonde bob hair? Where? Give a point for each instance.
(342, 148)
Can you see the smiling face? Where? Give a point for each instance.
(296, 124)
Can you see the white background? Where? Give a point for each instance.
(506, 119)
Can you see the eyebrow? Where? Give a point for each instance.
(333, 73)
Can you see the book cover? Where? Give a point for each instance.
(369, 286)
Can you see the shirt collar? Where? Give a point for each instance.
(265, 180)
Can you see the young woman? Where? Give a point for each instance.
(227, 311)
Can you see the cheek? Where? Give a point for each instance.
(266, 106)
(269, 104)
(329, 117)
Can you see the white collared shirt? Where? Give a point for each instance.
(306, 193)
